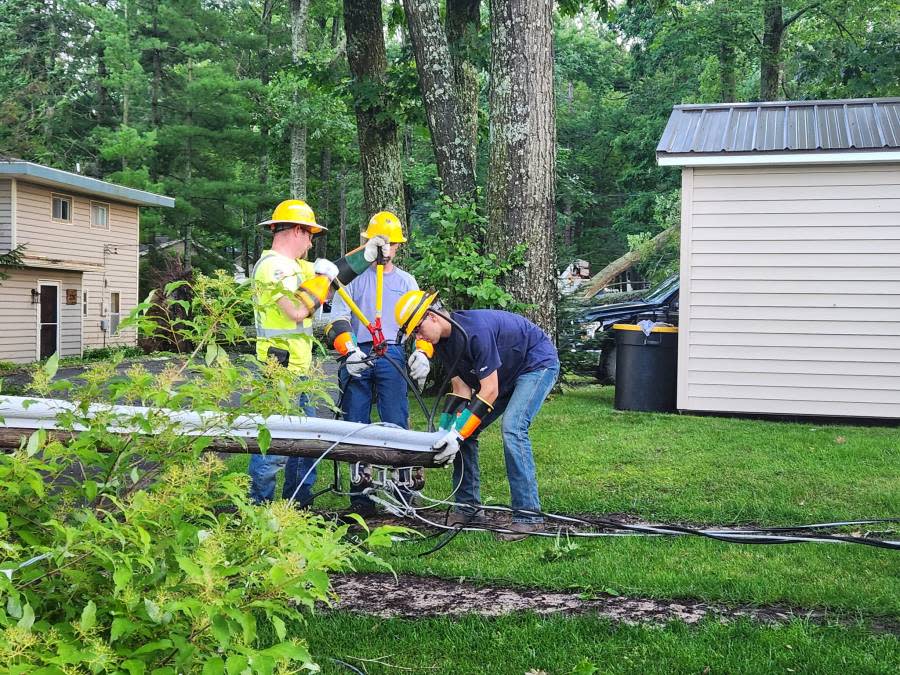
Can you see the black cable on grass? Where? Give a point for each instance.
(758, 536)
(450, 537)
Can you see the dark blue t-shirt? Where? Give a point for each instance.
(498, 341)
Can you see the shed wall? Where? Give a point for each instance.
(790, 290)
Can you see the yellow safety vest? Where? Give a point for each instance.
(273, 328)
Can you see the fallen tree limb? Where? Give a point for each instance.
(600, 280)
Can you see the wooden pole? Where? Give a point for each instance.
(11, 438)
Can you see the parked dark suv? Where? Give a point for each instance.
(660, 303)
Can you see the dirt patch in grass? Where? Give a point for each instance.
(412, 596)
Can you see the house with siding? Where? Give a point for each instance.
(790, 256)
(79, 278)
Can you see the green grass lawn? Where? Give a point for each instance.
(591, 457)
(527, 642)
(705, 470)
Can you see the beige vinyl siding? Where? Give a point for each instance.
(790, 298)
(19, 336)
(110, 255)
(5, 215)
(71, 243)
(121, 276)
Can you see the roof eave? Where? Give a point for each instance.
(777, 158)
(72, 181)
(782, 104)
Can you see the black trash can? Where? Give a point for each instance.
(646, 368)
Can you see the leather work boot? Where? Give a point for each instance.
(519, 532)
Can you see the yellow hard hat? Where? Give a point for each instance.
(386, 224)
(411, 308)
(296, 212)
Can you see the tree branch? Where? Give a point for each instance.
(798, 14)
(841, 27)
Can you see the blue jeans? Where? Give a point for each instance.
(518, 410)
(388, 385)
(264, 468)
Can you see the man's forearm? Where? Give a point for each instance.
(292, 309)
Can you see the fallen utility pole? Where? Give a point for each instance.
(290, 435)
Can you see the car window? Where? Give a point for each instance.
(662, 290)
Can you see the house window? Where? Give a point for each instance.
(84, 302)
(100, 216)
(114, 314)
(61, 208)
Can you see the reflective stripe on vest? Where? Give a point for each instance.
(282, 332)
(286, 333)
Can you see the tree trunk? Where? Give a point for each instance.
(324, 201)
(379, 149)
(245, 243)
(342, 213)
(463, 27)
(727, 76)
(521, 181)
(299, 16)
(155, 118)
(436, 82)
(189, 173)
(263, 171)
(770, 58)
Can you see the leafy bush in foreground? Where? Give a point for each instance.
(135, 552)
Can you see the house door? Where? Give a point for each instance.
(49, 324)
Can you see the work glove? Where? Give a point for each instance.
(326, 268)
(446, 448)
(419, 367)
(379, 242)
(356, 362)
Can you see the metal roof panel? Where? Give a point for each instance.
(769, 130)
(863, 130)
(711, 131)
(801, 131)
(783, 126)
(887, 116)
(833, 127)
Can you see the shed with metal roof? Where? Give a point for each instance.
(790, 256)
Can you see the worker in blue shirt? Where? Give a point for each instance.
(362, 380)
(500, 364)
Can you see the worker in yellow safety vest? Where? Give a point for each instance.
(287, 292)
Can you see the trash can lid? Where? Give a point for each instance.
(655, 329)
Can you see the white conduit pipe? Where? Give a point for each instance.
(38, 413)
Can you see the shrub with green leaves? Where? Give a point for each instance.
(450, 259)
(125, 548)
